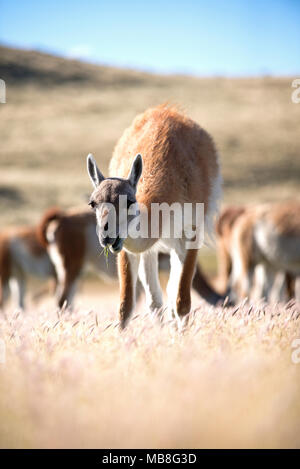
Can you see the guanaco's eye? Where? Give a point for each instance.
(92, 204)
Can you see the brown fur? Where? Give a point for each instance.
(53, 213)
(227, 219)
(286, 218)
(171, 144)
(183, 296)
(244, 238)
(71, 242)
(126, 287)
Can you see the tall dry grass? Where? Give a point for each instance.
(228, 380)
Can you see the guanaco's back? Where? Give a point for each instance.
(180, 160)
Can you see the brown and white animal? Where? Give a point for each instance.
(71, 240)
(72, 243)
(21, 255)
(266, 236)
(281, 286)
(179, 165)
(224, 229)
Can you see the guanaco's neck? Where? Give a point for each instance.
(144, 241)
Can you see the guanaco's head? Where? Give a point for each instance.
(111, 200)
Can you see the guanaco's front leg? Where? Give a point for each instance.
(128, 268)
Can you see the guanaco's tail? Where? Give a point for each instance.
(201, 285)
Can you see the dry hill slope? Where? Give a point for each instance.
(58, 110)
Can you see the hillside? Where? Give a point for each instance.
(19, 67)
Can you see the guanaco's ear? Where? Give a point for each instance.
(94, 172)
(136, 170)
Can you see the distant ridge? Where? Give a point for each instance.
(18, 66)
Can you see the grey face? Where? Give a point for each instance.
(111, 200)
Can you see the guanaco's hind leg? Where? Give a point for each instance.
(67, 253)
(183, 263)
(183, 301)
(128, 265)
(67, 288)
(67, 269)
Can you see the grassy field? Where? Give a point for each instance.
(71, 379)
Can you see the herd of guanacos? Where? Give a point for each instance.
(162, 157)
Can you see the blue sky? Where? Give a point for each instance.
(203, 38)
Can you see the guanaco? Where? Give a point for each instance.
(163, 157)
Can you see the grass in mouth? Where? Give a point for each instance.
(106, 253)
